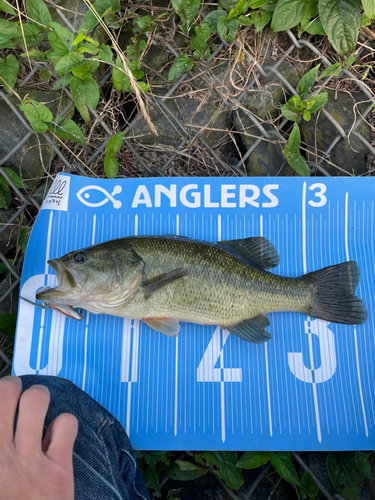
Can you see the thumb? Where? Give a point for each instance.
(59, 439)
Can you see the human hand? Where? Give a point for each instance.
(30, 467)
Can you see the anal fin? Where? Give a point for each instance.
(167, 326)
(252, 329)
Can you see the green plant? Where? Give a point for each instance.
(347, 471)
(300, 106)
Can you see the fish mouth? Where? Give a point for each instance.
(67, 285)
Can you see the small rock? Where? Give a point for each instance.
(349, 156)
(26, 161)
(193, 114)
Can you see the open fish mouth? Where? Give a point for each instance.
(65, 287)
(64, 277)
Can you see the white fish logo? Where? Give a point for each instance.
(108, 196)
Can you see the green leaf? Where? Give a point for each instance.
(105, 54)
(174, 472)
(141, 23)
(32, 34)
(15, 178)
(85, 69)
(152, 457)
(8, 324)
(307, 486)
(110, 166)
(299, 165)
(239, 9)
(60, 38)
(212, 18)
(317, 102)
(294, 142)
(227, 28)
(114, 145)
(365, 21)
(334, 69)
(225, 461)
(7, 31)
(334, 470)
(68, 62)
(189, 466)
(290, 115)
(145, 87)
(198, 45)
(203, 32)
(245, 20)
(282, 461)
(36, 54)
(307, 81)
(37, 11)
(4, 269)
(350, 60)
(306, 115)
(288, 13)
(68, 129)
(369, 8)
(102, 7)
(152, 480)
(8, 72)
(255, 4)
(37, 114)
(5, 194)
(23, 238)
(228, 4)
(260, 19)
(186, 10)
(85, 95)
(253, 459)
(341, 21)
(315, 28)
(7, 8)
(180, 66)
(363, 463)
(121, 81)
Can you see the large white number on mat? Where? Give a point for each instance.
(328, 359)
(206, 371)
(320, 194)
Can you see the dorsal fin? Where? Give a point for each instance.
(257, 249)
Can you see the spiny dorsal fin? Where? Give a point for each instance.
(161, 280)
(252, 330)
(256, 249)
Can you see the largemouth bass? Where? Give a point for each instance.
(165, 280)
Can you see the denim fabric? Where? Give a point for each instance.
(104, 464)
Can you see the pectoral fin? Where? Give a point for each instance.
(252, 330)
(158, 282)
(167, 326)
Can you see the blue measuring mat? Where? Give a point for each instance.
(311, 387)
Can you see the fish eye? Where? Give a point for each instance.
(80, 257)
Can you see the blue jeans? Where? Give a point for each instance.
(104, 464)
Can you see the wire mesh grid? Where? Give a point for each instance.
(224, 100)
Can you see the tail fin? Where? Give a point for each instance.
(333, 294)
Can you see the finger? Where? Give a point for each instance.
(10, 392)
(32, 413)
(59, 440)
